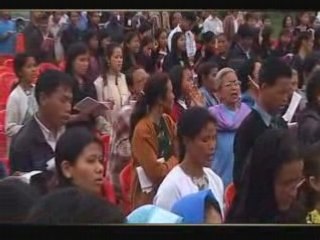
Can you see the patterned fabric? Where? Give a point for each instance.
(313, 217)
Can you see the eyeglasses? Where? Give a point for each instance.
(234, 83)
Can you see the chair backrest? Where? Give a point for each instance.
(7, 79)
(229, 194)
(125, 183)
(5, 69)
(8, 63)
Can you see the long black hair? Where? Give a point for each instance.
(190, 125)
(174, 45)
(176, 75)
(255, 201)
(73, 52)
(155, 89)
(244, 72)
(105, 64)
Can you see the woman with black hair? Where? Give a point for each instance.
(93, 21)
(309, 120)
(272, 179)
(266, 45)
(197, 140)
(288, 23)
(21, 104)
(178, 53)
(207, 82)
(284, 45)
(77, 64)
(91, 39)
(152, 136)
(130, 50)
(162, 48)
(207, 51)
(144, 57)
(248, 75)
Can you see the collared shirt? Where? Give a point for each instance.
(266, 117)
(50, 138)
(190, 41)
(214, 25)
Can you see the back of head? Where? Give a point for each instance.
(190, 16)
(16, 199)
(208, 36)
(244, 72)
(73, 206)
(245, 31)
(273, 69)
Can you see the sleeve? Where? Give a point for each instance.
(144, 152)
(19, 159)
(165, 200)
(12, 117)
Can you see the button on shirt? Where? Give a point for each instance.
(190, 41)
(50, 138)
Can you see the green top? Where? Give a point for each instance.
(164, 141)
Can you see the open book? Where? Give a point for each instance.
(89, 105)
(295, 100)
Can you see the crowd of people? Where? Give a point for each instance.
(162, 117)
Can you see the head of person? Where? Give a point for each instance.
(136, 78)
(158, 96)
(304, 42)
(147, 45)
(287, 22)
(5, 15)
(25, 68)
(272, 179)
(246, 36)
(74, 17)
(176, 19)
(250, 19)
(162, 38)
(247, 72)
(228, 87)
(199, 208)
(313, 89)
(79, 160)
(181, 78)
(285, 37)
(207, 73)
(303, 18)
(74, 206)
(187, 21)
(311, 188)
(113, 59)
(94, 17)
(267, 36)
(56, 16)
(209, 41)
(222, 44)
(145, 30)
(77, 59)
(91, 38)
(178, 43)
(197, 132)
(275, 83)
(105, 39)
(16, 200)
(132, 43)
(266, 20)
(53, 93)
(43, 22)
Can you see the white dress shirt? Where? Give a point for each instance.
(214, 25)
(190, 41)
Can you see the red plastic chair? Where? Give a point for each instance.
(4, 69)
(46, 66)
(3, 139)
(8, 63)
(125, 183)
(108, 191)
(229, 195)
(7, 79)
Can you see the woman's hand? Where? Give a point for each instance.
(195, 97)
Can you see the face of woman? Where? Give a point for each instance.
(94, 43)
(222, 44)
(28, 72)
(74, 17)
(285, 39)
(163, 40)
(210, 80)
(81, 64)
(287, 182)
(147, 50)
(167, 103)
(230, 89)
(87, 172)
(116, 60)
(186, 83)
(134, 44)
(305, 19)
(181, 43)
(105, 42)
(203, 145)
(289, 22)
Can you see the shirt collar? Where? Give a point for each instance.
(266, 117)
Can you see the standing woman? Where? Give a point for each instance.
(130, 50)
(152, 138)
(178, 54)
(91, 39)
(162, 48)
(21, 103)
(272, 181)
(111, 86)
(77, 64)
(229, 114)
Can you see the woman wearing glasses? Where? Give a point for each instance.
(229, 114)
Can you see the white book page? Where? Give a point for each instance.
(295, 100)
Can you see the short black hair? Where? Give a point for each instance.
(74, 206)
(16, 200)
(50, 80)
(273, 69)
(144, 27)
(208, 37)
(246, 31)
(190, 16)
(204, 69)
(313, 88)
(176, 74)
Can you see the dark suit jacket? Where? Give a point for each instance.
(250, 129)
(29, 149)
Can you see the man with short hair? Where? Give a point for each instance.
(275, 86)
(34, 145)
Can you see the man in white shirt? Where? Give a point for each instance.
(34, 145)
(187, 22)
(213, 24)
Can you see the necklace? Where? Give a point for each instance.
(201, 182)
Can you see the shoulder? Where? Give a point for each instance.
(98, 81)
(143, 128)
(168, 120)
(24, 136)
(215, 179)
(173, 177)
